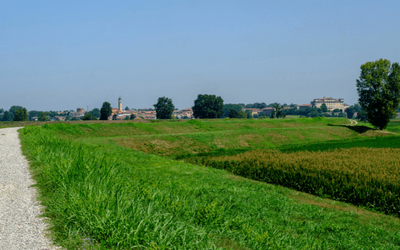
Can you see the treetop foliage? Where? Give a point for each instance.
(164, 108)
(43, 117)
(233, 113)
(105, 111)
(379, 91)
(278, 112)
(350, 112)
(7, 116)
(324, 108)
(21, 115)
(89, 116)
(227, 109)
(256, 105)
(96, 112)
(208, 106)
(14, 109)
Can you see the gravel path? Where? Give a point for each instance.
(20, 226)
(352, 122)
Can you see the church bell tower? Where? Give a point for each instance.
(120, 104)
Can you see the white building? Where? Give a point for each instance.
(330, 103)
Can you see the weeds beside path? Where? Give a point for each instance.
(20, 226)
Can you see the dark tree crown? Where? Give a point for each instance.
(105, 111)
(164, 108)
(208, 106)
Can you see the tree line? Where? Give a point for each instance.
(379, 97)
(209, 106)
(378, 87)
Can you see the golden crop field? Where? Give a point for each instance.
(363, 176)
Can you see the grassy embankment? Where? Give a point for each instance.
(115, 197)
(182, 139)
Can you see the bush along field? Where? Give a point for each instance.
(100, 195)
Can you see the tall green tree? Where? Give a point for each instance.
(96, 112)
(208, 106)
(233, 113)
(105, 111)
(164, 108)
(21, 115)
(7, 116)
(324, 108)
(362, 116)
(43, 117)
(357, 107)
(313, 113)
(350, 112)
(227, 109)
(279, 112)
(89, 117)
(379, 91)
(262, 115)
(13, 110)
(249, 114)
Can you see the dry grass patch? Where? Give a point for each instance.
(369, 163)
(161, 146)
(227, 243)
(221, 143)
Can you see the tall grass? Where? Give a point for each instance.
(109, 197)
(88, 197)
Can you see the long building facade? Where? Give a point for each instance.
(330, 103)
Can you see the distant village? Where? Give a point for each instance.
(187, 113)
(121, 113)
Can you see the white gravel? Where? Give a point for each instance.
(20, 225)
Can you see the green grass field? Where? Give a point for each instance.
(101, 193)
(394, 126)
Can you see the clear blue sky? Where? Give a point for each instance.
(57, 55)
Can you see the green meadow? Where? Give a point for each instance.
(161, 185)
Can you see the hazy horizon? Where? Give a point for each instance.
(63, 56)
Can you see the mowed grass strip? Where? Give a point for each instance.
(110, 197)
(363, 176)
